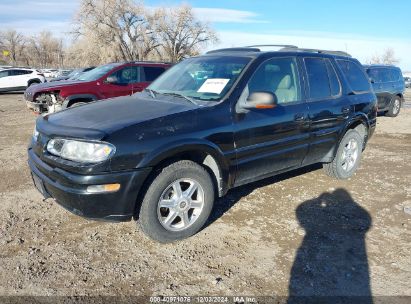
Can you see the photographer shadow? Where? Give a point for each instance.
(331, 265)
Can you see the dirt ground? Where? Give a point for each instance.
(299, 233)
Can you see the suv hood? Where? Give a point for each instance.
(49, 86)
(100, 118)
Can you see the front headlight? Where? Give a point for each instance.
(80, 151)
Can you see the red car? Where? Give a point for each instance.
(106, 81)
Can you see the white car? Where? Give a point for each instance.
(18, 79)
(49, 73)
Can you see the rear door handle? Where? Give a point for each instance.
(299, 117)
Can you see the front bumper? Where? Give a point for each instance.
(69, 190)
(371, 128)
(37, 107)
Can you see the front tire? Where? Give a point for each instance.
(348, 156)
(177, 203)
(395, 107)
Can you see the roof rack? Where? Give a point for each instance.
(336, 53)
(284, 48)
(234, 49)
(276, 45)
(251, 48)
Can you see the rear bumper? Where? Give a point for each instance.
(69, 190)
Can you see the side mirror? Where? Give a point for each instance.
(261, 100)
(372, 80)
(112, 79)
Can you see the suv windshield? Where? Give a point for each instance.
(74, 73)
(204, 78)
(97, 72)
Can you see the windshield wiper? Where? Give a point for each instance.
(181, 96)
(152, 92)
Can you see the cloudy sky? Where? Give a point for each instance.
(361, 27)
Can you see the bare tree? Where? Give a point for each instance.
(119, 25)
(387, 57)
(113, 30)
(45, 50)
(14, 43)
(84, 53)
(182, 35)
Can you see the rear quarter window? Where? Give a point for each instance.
(395, 75)
(355, 75)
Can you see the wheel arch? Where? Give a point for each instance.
(70, 99)
(204, 153)
(401, 96)
(359, 123)
(33, 80)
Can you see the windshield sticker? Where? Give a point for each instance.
(213, 85)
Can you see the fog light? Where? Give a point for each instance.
(103, 188)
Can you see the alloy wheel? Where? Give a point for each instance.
(180, 204)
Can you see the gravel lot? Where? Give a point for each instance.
(294, 234)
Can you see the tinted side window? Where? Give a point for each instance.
(127, 75)
(395, 75)
(386, 75)
(375, 74)
(12, 72)
(318, 82)
(4, 74)
(355, 75)
(151, 73)
(22, 72)
(279, 76)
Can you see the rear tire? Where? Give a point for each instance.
(348, 156)
(395, 107)
(177, 203)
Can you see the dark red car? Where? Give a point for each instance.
(106, 81)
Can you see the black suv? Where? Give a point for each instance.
(389, 86)
(208, 124)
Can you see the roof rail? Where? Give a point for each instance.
(277, 45)
(284, 48)
(234, 49)
(336, 53)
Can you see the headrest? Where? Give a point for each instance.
(285, 83)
